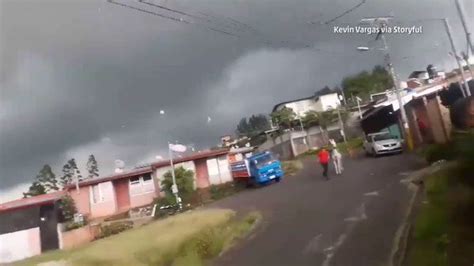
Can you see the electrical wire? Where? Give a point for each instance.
(179, 20)
(180, 12)
(345, 12)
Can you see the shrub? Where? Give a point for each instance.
(67, 207)
(184, 181)
(114, 228)
(222, 191)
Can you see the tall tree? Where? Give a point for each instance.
(34, 190)
(67, 176)
(253, 125)
(92, 167)
(47, 178)
(70, 172)
(365, 83)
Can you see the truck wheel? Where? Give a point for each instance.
(278, 179)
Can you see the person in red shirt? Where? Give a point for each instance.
(323, 156)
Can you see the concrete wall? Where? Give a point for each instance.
(436, 120)
(77, 237)
(224, 168)
(20, 245)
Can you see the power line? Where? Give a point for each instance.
(179, 12)
(345, 12)
(179, 20)
(149, 12)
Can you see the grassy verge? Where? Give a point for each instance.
(292, 167)
(352, 144)
(443, 233)
(185, 239)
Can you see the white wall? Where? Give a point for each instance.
(303, 106)
(329, 101)
(20, 245)
(224, 168)
(213, 171)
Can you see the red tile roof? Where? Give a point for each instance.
(36, 200)
(192, 157)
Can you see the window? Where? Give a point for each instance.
(134, 180)
(141, 185)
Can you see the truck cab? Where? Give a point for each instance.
(259, 168)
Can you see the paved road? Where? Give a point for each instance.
(348, 220)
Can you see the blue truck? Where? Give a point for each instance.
(259, 168)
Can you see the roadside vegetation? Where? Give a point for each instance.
(292, 167)
(443, 232)
(190, 238)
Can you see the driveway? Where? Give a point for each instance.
(348, 220)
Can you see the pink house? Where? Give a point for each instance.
(114, 194)
(119, 193)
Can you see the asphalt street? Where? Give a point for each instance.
(349, 220)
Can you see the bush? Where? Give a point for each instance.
(436, 152)
(67, 207)
(184, 181)
(114, 228)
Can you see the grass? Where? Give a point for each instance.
(185, 239)
(352, 144)
(292, 167)
(443, 233)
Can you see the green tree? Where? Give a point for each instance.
(253, 125)
(47, 179)
(184, 181)
(311, 118)
(92, 167)
(67, 207)
(284, 117)
(34, 190)
(70, 171)
(365, 83)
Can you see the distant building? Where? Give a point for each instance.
(317, 102)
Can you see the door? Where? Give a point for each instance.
(202, 175)
(48, 227)
(122, 194)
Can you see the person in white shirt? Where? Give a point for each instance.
(337, 160)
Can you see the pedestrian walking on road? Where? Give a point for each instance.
(337, 160)
(323, 156)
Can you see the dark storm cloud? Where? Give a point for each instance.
(82, 77)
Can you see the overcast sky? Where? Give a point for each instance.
(88, 77)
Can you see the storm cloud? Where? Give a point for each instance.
(82, 77)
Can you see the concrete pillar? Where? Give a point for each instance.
(435, 117)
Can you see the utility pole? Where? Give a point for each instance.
(453, 48)
(341, 123)
(174, 188)
(396, 84)
(464, 25)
